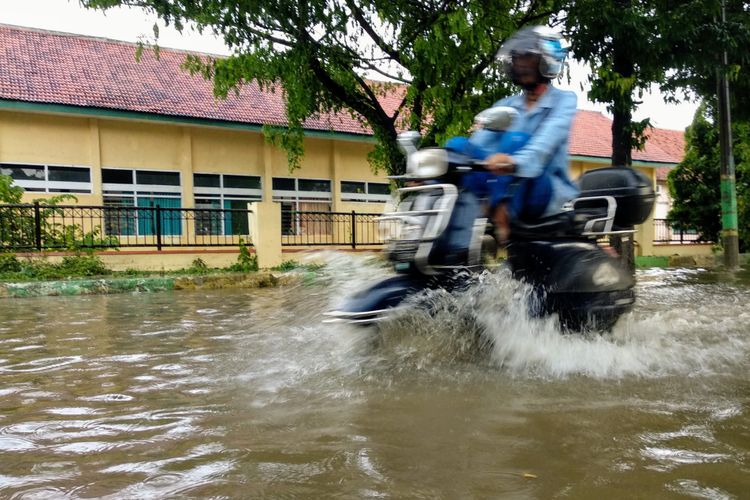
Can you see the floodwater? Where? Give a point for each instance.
(245, 394)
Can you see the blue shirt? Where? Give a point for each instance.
(546, 152)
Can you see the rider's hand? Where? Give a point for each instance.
(501, 164)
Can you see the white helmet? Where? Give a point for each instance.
(550, 46)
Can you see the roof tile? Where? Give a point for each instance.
(59, 68)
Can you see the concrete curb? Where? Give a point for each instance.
(105, 286)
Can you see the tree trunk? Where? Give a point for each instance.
(622, 105)
(622, 137)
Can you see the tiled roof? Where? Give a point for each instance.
(592, 136)
(59, 68)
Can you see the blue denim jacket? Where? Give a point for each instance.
(546, 152)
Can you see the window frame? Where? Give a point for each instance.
(303, 196)
(133, 192)
(222, 195)
(365, 197)
(230, 194)
(290, 201)
(51, 187)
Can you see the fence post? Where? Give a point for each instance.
(264, 219)
(37, 226)
(354, 230)
(158, 227)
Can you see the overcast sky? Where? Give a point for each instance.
(132, 24)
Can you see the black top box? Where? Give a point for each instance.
(632, 190)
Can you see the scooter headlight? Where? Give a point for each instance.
(401, 229)
(428, 163)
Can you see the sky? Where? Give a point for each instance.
(132, 25)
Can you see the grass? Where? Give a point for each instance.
(13, 269)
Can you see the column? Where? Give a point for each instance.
(265, 232)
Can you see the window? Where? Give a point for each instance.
(242, 182)
(301, 195)
(113, 176)
(353, 187)
(144, 189)
(222, 192)
(301, 190)
(207, 180)
(373, 192)
(316, 186)
(49, 178)
(153, 178)
(281, 184)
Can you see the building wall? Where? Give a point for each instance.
(663, 201)
(28, 138)
(32, 138)
(35, 138)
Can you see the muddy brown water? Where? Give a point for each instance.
(246, 394)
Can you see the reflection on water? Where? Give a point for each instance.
(235, 393)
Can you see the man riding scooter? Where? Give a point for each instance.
(527, 165)
(441, 237)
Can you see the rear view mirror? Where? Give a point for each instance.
(408, 142)
(496, 118)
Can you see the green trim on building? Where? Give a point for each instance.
(93, 112)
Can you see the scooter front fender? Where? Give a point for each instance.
(376, 302)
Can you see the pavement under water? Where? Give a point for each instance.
(245, 393)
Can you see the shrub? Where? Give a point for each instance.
(83, 265)
(246, 262)
(198, 267)
(9, 263)
(287, 265)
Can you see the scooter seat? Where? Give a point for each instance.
(555, 226)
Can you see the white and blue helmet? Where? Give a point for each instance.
(550, 46)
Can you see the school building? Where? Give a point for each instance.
(80, 115)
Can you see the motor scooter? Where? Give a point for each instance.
(443, 235)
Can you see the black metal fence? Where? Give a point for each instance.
(665, 233)
(331, 229)
(46, 227)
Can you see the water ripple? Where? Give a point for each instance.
(218, 394)
(108, 398)
(42, 365)
(670, 457)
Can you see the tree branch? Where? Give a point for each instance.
(364, 23)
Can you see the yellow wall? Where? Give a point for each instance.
(30, 138)
(704, 249)
(227, 151)
(35, 138)
(140, 145)
(59, 139)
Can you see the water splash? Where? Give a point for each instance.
(670, 332)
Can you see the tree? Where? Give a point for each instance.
(632, 44)
(693, 184)
(319, 51)
(620, 40)
(701, 38)
(19, 229)
(696, 39)
(9, 192)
